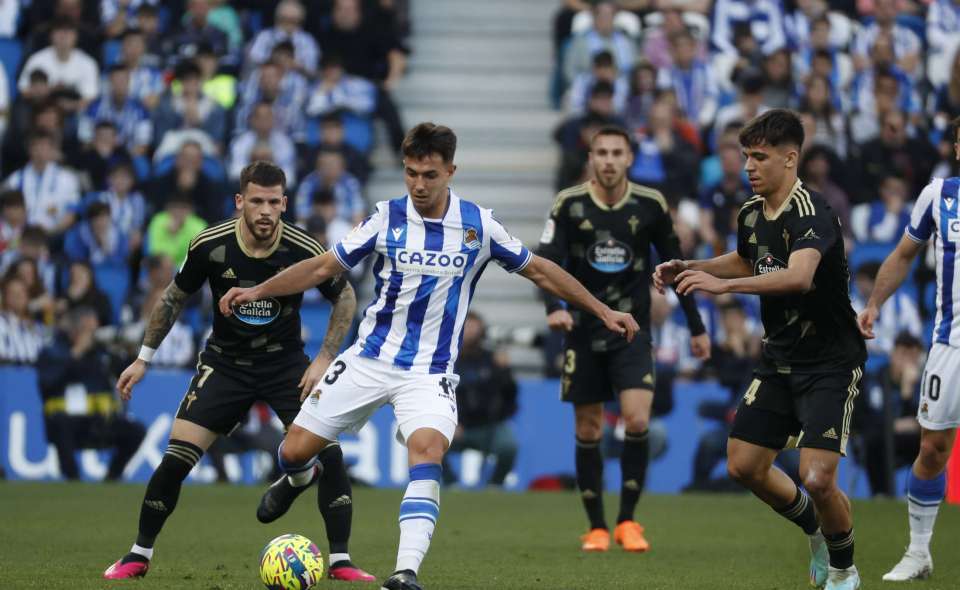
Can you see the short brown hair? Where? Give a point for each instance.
(426, 139)
(774, 127)
(611, 130)
(264, 174)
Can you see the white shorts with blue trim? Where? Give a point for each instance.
(940, 389)
(354, 387)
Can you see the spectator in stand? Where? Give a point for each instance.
(80, 406)
(947, 103)
(33, 246)
(51, 191)
(41, 305)
(602, 36)
(820, 168)
(273, 83)
(486, 400)
(287, 26)
(656, 40)
(195, 29)
(605, 69)
(893, 151)
(128, 208)
(906, 44)
(943, 38)
(178, 348)
(81, 290)
(102, 153)
(169, 232)
(838, 67)
(188, 180)
(129, 116)
(574, 133)
(643, 93)
(831, 128)
(323, 206)
(749, 104)
(148, 21)
(763, 20)
(883, 221)
(191, 109)
(332, 136)
(372, 53)
(262, 130)
(28, 101)
(335, 90)
(331, 173)
(218, 83)
(223, 16)
(13, 219)
(146, 82)
(21, 337)
(780, 91)
(84, 16)
(97, 239)
(66, 66)
(720, 203)
(880, 89)
(119, 16)
(691, 80)
(898, 315)
(895, 386)
(664, 159)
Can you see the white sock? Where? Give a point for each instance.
(419, 511)
(300, 478)
(144, 551)
(338, 557)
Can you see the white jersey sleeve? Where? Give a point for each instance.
(508, 251)
(362, 240)
(921, 225)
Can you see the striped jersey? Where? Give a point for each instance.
(935, 215)
(425, 274)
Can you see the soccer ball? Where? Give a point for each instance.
(291, 562)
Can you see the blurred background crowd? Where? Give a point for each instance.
(125, 124)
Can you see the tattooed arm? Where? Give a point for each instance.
(341, 317)
(162, 318)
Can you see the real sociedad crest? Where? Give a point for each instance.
(470, 238)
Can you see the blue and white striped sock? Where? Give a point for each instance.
(419, 511)
(923, 499)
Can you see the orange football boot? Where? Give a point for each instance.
(596, 540)
(629, 534)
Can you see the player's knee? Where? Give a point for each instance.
(743, 471)
(819, 484)
(292, 453)
(636, 422)
(934, 452)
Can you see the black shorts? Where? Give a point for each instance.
(591, 377)
(811, 410)
(223, 390)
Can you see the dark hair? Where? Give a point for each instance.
(683, 33)
(62, 24)
(12, 198)
(603, 59)
(131, 32)
(33, 233)
(774, 127)
(263, 174)
(610, 130)
(601, 88)
(118, 67)
(868, 269)
(752, 82)
(38, 75)
(187, 69)
(41, 135)
(820, 19)
(333, 117)
(322, 196)
(908, 340)
(97, 209)
(427, 139)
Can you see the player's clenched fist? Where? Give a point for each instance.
(621, 323)
(237, 296)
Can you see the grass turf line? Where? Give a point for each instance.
(65, 535)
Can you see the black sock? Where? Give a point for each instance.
(633, 464)
(801, 513)
(840, 547)
(590, 480)
(164, 488)
(335, 498)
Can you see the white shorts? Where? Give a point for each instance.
(354, 387)
(940, 389)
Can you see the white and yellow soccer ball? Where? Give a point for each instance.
(291, 562)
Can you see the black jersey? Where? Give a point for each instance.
(265, 327)
(807, 332)
(607, 248)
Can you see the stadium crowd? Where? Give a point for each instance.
(125, 124)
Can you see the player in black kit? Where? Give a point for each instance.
(601, 233)
(256, 354)
(790, 253)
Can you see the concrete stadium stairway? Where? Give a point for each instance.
(483, 69)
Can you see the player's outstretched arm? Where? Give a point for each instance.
(727, 266)
(296, 279)
(892, 273)
(162, 318)
(551, 278)
(796, 278)
(341, 317)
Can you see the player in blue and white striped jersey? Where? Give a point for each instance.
(936, 215)
(431, 247)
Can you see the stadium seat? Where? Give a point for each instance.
(114, 282)
(11, 52)
(111, 52)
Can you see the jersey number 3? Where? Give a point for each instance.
(338, 368)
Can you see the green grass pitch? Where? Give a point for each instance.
(64, 535)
